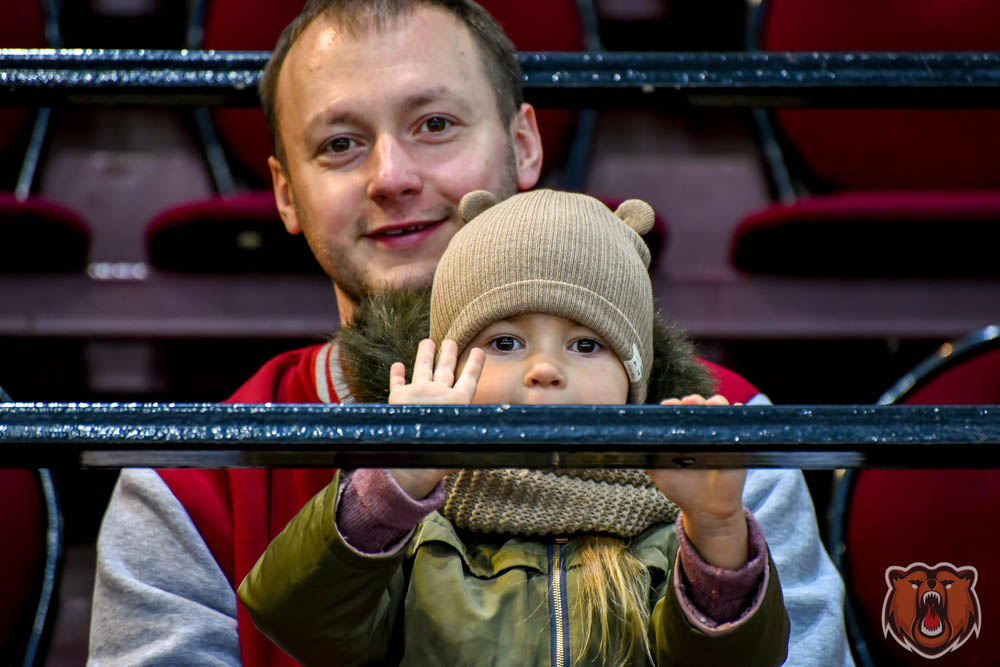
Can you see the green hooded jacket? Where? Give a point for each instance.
(481, 600)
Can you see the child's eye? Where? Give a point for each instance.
(505, 344)
(585, 345)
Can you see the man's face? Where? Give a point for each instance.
(383, 133)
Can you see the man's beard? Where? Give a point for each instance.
(353, 282)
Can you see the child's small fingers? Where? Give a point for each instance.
(397, 374)
(423, 365)
(693, 399)
(670, 401)
(717, 399)
(444, 370)
(468, 380)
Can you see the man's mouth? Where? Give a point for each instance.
(405, 236)
(390, 231)
(405, 230)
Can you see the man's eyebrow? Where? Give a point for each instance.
(432, 95)
(329, 117)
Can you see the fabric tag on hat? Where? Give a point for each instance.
(633, 366)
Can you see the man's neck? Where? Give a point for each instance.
(345, 305)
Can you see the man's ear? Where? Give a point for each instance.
(283, 196)
(527, 147)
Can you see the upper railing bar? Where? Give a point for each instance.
(211, 435)
(841, 79)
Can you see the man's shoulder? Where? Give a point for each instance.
(289, 377)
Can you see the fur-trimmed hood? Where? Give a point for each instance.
(387, 328)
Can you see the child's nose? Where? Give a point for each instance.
(544, 372)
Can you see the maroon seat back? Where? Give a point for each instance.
(912, 192)
(30, 560)
(898, 518)
(881, 148)
(21, 559)
(554, 25)
(39, 236)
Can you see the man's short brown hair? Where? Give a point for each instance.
(496, 50)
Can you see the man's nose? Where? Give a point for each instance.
(394, 172)
(544, 372)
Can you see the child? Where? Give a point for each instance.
(543, 298)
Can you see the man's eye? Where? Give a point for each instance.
(585, 346)
(505, 344)
(437, 124)
(340, 145)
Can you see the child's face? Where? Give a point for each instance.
(546, 359)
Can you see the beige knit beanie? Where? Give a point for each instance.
(550, 252)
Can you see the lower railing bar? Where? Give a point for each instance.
(212, 435)
(583, 80)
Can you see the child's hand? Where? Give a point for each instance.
(432, 385)
(711, 501)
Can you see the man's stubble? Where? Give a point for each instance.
(354, 281)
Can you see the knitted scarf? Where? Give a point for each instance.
(560, 502)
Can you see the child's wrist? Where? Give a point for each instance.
(720, 541)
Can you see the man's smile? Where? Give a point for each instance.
(405, 235)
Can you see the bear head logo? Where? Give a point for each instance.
(931, 610)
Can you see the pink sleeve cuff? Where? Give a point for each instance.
(376, 516)
(714, 598)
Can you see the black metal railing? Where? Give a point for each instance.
(813, 437)
(210, 435)
(599, 79)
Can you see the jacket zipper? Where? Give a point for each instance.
(558, 604)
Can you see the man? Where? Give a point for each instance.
(384, 113)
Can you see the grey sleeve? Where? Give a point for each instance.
(159, 595)
(812, 588)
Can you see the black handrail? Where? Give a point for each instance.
(211, 435)
(229, 78)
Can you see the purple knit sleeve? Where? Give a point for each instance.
(713, 596)
(376, 516)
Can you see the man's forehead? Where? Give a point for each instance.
(330, 32)
(323, 57)
(379, 45)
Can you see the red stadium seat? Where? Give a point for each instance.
(29, 561)
(35, 235)
(906, 192)
(19, 490)
(241, 233)
(38, 236)
(885, 519)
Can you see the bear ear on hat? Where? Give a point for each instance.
(635, 213)
(474, 203)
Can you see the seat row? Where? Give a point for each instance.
(857, 192)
